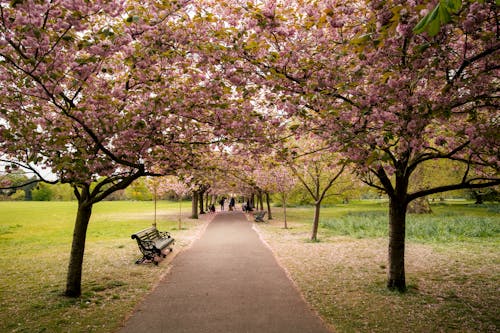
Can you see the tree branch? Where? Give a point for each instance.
(459, 186)
(469, 61)
(386, 182)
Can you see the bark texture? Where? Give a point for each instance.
(317, 208)
(194, 205)
(397, 229)
(74, 278)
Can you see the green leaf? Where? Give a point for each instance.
(453, 5)
(433, 28)
(424, 23)
(422, 48)
(420, 27)
(440, 15)
(133, 18)
(444, 15)
(433, 15)
(361, 39)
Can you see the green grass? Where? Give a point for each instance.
(448, 223)
(424, 228)
(35, 239)
(451, 221)
(454, 283)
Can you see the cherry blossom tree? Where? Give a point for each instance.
(103, 93)
(177, 186)
(53, 56)
(389, 100)
(424, 99)
(317, 169)
(277, 179)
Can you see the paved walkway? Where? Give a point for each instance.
(227, 282)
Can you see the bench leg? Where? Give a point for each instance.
(169, 250)
(153, 256)
(146, 257)
(140, 260)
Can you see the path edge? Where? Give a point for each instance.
(167, 261)
(328, 326)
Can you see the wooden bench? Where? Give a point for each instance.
(259, 216)
(151, 243)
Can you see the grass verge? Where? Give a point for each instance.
(453, 278)
(35, 240)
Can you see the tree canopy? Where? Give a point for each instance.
(104, 92)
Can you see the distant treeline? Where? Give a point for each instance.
(139, 191)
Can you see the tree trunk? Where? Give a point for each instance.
(397, 225)
(180, 213)
(478, 197)
(74, 278)
(269, 216)
(154, 199)
(317, 208)
(261, 201)
(283, 200)
(201, 193)
(194, 205)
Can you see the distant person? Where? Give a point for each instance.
(221, 202)
(231, 204)
(247, 207)
(212, 208)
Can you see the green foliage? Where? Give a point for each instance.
(62, 192)
(300, 197)
(493, 208)
(439, 16)
(296, 197)
(43, 192)
(16, 179)
(435, 173)
(452, 227)
(17, 196)
(138, 191)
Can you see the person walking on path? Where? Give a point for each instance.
(228, 281)
(221, 202)
(232, 203)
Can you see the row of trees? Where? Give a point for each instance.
(106, 92)
(277, 180)
(389, 101)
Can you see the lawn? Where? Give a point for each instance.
(35, 240)
(452, 267)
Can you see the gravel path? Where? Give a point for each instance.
(228, 281)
